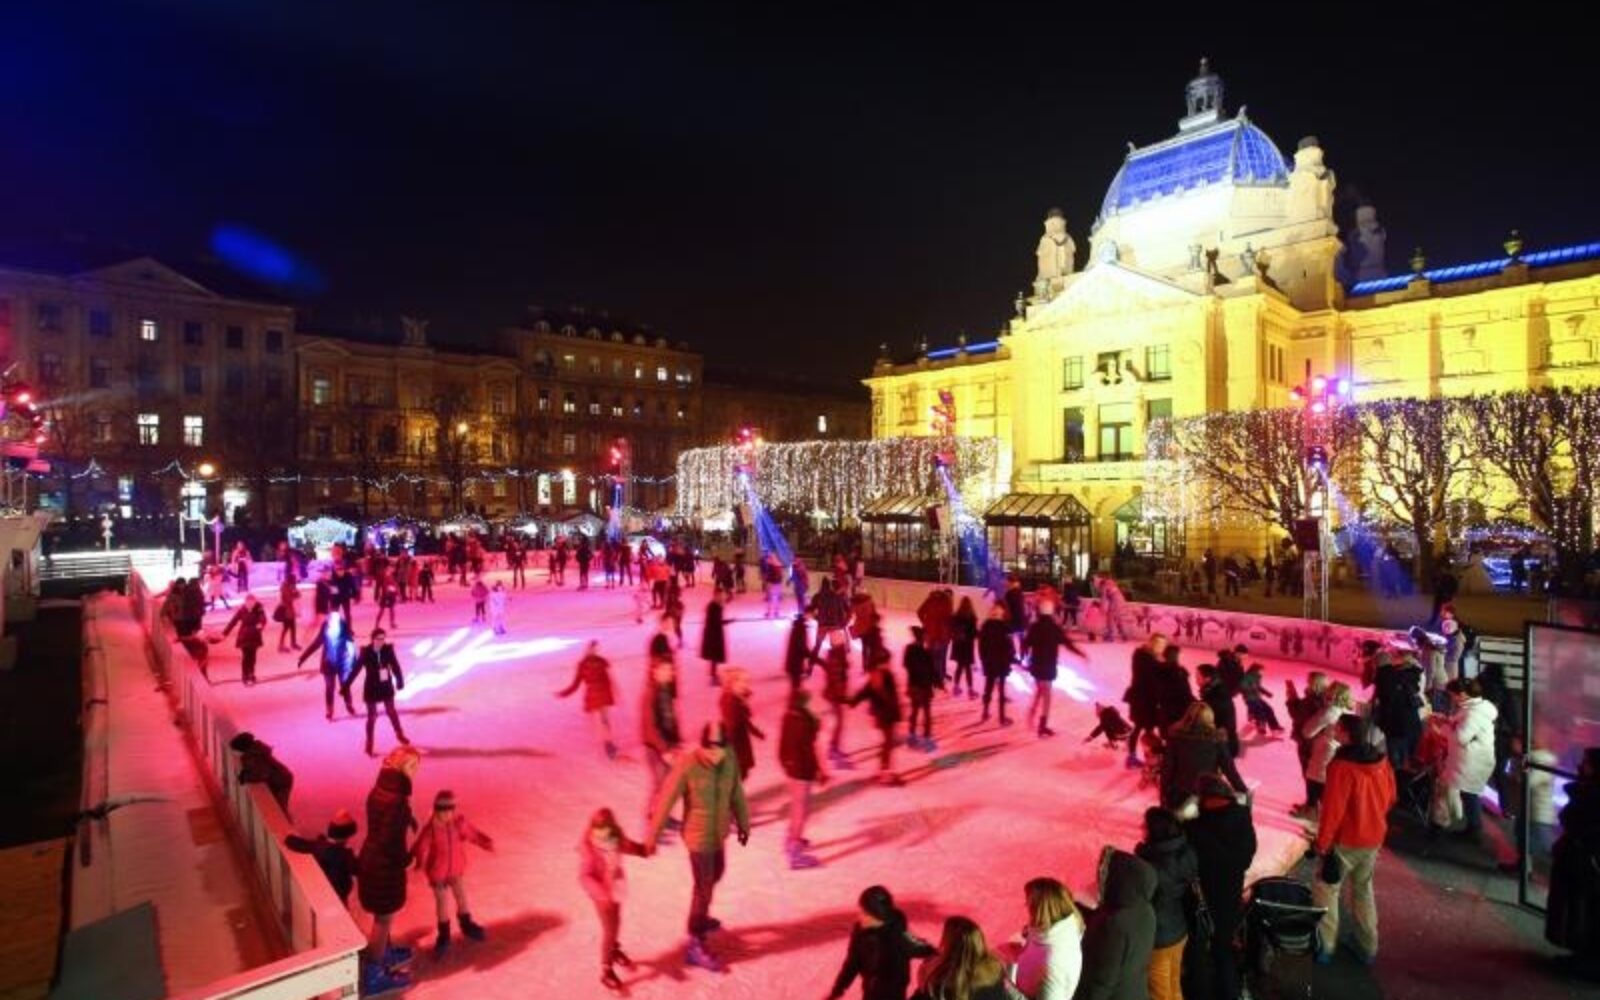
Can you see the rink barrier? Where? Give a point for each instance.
(1322, 644)
(323, 939)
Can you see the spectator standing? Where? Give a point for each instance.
(1352, 827)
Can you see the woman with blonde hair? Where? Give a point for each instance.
(1195, 746)
(1321, 731)
(1051, 959)
(964, 968)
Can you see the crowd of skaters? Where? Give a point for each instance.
(1183, 884)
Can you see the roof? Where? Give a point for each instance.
(899, 507)
(1036, 509)
(1574, 254)
(72, 257)
(1231, 152)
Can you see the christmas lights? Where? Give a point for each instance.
(836, 477)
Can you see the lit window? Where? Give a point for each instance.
(500, 489)
(497, 403)
(102, 428)
(1072, 372)
(194, 431)
(569, 403)
(544, 400)
(638, 369)
(124, 488)
(149, 428)
(661, 373)
(569, 489)
(594, 407)
(822, 423)
(616, 367)
(1158, 362)
(684, 376)
(594, 365)
(321, 391)
(683, 412)
(569, 444)
(569, 361)
(638, 408)
(616, 407)
(148, 330)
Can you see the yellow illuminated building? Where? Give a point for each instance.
(1215, 280)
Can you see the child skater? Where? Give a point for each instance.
(497, 607)
(440, 851)
(480, 598)
(600, 873)
(594, 675)
(1255, 705)
(1111, 725)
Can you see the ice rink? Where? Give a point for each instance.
(988, 810)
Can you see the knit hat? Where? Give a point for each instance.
(342, 826)
(445, 799)
(242, 742)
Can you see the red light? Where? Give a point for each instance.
(1295, 395)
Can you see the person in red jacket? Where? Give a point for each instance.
(600, 873)
(440, 851)
(797, 752)
(1354, 820)
(594, 675)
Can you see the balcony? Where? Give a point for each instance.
(1131, 469)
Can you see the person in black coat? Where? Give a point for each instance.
(1224, 841)
(922, 676)
(258, 765)
(332, 852)
(380, 669)
(385, 855)
(1174, 695)
(1143, 695)
(1041, 641)
(1572, 916)
(881, 950)
(1016, 605)
(714, 640)
(1166, 850)
(963, 645)
(997, 651)
(1195, 747)
(883, 696)
(1214, 692)
(251, 618)
(1397, 693)
(1121, 932)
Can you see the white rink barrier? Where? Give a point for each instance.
(323, 939)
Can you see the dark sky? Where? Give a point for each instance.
(782, 188)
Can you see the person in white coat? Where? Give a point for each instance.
(1050, 960)
(1469, 757)
(1322, 732)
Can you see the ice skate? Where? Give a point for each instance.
(471, 928)
(441, 944)
(376, 981)
(697, 956)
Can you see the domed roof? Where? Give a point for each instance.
(1233, 151)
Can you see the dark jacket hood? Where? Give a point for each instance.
(1361, 753)
(1130, 881)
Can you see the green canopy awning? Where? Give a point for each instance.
(1037, 509)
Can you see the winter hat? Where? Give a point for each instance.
(342, 826)
(445, 799)
(244, 741)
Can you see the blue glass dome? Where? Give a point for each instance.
(1232, 152)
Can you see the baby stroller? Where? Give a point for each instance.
(1280, 938)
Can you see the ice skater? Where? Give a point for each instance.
(440, 851)
(336, 647)
(252, 621)
(594, 676)
(386, 597)
(480, 601)
(498, 599)
(963, 646)
(1110, 724)
(997, 651)
(331, 851)
(658, 723)
(714, 637)
(1255, 705)
(707, 780)
(381, 870)
(883, 697)
(922, 676)
(836, 692)
(600, 873)
(738, 721)
(287, 613)
(380, 669)
(797, 753)
(1043, 638)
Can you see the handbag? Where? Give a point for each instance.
(1200, 918)
(1332, 868)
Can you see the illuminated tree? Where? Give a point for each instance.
(452, 441)
(1249, 463)
(1418, 460)
(1546, 443)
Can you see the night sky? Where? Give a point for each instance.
(783, 189)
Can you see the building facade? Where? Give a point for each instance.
(145, 374)
(779, 409)
(1213, 284)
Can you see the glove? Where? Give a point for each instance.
(744, 836)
